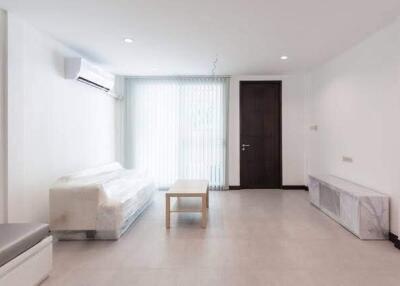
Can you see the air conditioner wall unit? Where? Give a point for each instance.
(81, 70)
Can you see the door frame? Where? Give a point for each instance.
(280, 130)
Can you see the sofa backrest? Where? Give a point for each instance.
(110, 167)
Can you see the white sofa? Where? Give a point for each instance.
(98, 203)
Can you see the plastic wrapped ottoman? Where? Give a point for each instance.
(26, 253)
(98, 203)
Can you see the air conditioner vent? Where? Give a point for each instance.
(84, 80)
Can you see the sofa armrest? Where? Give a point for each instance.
(75, 208)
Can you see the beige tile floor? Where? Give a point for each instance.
(254, 237)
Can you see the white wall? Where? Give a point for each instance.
(55, 126)
(293, 104)
(355, 101)
(3, 67)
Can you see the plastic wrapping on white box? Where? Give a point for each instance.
(98, 203)
(363, 211)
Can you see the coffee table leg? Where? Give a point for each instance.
(203, 211)
(167, 211)
(207, 199)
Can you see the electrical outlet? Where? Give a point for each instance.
(347, 159)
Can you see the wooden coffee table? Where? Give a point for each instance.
(187, 189)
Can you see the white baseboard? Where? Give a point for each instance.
(29, 268)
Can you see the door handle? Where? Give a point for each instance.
(244, 146)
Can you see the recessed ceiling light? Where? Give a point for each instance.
(284, 58)
(128, 40)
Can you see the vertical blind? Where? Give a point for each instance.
(176, 128)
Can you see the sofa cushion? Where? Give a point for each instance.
(16, 238)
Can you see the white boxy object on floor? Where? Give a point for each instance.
(98, 203)
(25, 254)
(361, 210)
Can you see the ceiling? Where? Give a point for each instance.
(181, 37)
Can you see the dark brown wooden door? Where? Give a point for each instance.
(260, 134)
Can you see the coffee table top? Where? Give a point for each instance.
(187, 187)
